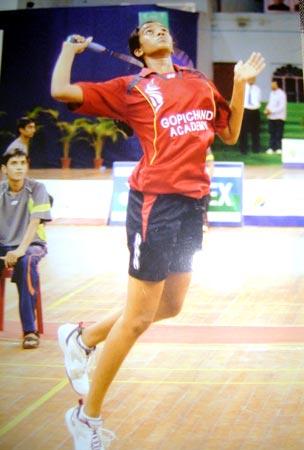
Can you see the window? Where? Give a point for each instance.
(290, 78)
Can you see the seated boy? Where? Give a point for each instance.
(24, 207)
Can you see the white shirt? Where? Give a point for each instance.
(277, 104)
(17, 143)
(252, 96)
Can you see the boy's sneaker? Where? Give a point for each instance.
(87, 434)
(76, 357)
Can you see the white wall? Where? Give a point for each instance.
(8, 4)
(275, 35)
(204, 43)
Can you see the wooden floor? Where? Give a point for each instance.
(227, 374)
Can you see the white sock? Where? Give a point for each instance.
(95, 421)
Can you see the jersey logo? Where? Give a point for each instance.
(153, 92)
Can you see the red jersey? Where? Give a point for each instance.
(175, 117)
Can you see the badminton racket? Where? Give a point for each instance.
(95, 47)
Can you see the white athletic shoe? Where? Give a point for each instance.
(76, 357)
(87, 436)
(278, 151)
(269, 151)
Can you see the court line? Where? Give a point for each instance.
(30, 365)
(179, 333)
(259, 346)
(249, 346)
(17, 377)
(279, 309)
(175, 323)
(275, 174)
(30, 409)
(211, 383)
(170, 323)
(35, 405)
(71, 294)
(186, 369)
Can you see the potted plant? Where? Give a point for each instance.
(69, 132)
(97, 132)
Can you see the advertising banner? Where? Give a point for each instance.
(226, 204)
(121, 173)
(274, 202)
(293, 153)
(226, 193)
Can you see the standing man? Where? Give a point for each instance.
(24, 207)
(175, 112)
(276, 111)
(251, 120)
(26, 128)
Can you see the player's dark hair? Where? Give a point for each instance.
(11, 154)
(134, 41)
(24, 121)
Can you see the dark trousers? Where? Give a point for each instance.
(276, 129)
(250, 128)
(26, 277)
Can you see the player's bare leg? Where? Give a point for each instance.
(173, 296)
(172, 299)
(142, 305)
(78, 344)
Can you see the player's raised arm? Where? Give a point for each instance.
(243, 71)
(61, 87)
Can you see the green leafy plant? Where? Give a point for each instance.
(36, 112)
(98, 131)
(69, 131)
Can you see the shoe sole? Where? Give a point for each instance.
(30, 343)
(68, 422)
(61, 341)
(68, 419)
(30, 346)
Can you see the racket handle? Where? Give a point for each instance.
(96, 47)
(92, 45)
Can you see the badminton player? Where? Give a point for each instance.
(175, 112)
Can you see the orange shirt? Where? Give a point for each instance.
(175, 117)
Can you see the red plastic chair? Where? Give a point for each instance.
(7, 273)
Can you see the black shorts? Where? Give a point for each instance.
(164, 231)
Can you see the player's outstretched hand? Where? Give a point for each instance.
(251, 68)
(77, 42)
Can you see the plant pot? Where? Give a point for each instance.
(98, 163)
(65, 163)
